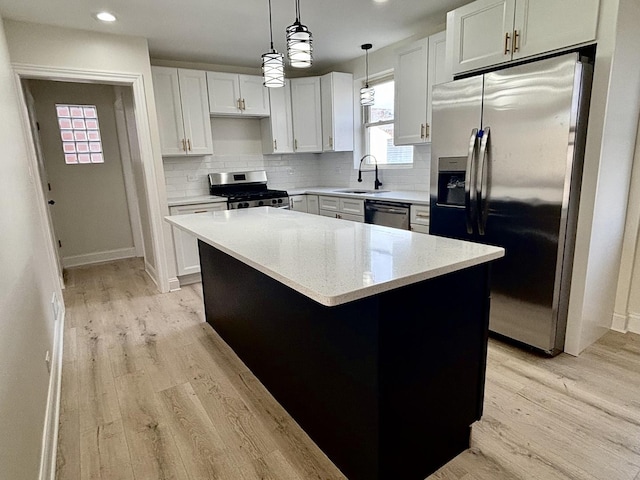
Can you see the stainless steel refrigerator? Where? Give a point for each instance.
(506, 170)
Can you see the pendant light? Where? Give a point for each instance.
(299, 43)
(272, 63)
(367, 93)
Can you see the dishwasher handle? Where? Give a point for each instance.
(385, 209)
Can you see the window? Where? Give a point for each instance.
(378, 128)
(80, 133)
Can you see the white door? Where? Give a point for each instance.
(278, 138)
(224, 93)
(410, 78)
(197, 123)
(545, 25)
(166, 88)
(438, 71)
(254, 96)
(307, 120)
(480, 34)
(44, 179)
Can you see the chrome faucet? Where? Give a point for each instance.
(377, 183)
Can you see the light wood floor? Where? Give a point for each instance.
(149, 391)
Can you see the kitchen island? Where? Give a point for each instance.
(374, 339)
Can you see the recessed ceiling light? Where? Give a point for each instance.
(380, 1)
(106, 17)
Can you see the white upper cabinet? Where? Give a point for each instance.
(336, 91)
(418, 67)
(545, 25)
(277, 129)
(307, 114)
(233, 94)
(183, 117)
(489, 32)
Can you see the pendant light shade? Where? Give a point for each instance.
(272, 63)
(367, 93)
(299, 43)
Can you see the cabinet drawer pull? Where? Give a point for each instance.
(515, 41)
(420, 215)
(506, 42)
(201, 211)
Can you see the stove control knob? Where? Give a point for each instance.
(279, 200)
(260, 203)
(274, 201)
(246, 204)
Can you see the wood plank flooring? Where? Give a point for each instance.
(150, 391)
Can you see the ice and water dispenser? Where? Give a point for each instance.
(451, 180)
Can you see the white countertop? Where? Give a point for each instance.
(194, 200)
(408, 196)
(329, 260)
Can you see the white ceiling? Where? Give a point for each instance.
(236, 32)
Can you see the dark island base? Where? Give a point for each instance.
(387, 386)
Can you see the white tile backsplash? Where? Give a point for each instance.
(187, 176)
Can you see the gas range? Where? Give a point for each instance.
(246, 189)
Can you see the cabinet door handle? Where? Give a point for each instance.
(184, 145)
(295, 144)
(243, 107)
(506, 42)
(330, 142)
(275, 144)
(422, 130)
(238, 104)
(189, 143)
(426, 130)
(515, 41)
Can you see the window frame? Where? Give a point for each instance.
(365, 125)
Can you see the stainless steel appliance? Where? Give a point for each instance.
(507, 157)
(246, 189)
(390, 214)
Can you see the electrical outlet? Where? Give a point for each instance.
(192, 178)
(47, 361)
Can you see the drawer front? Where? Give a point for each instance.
(354, 207)
(420, 214)
(419, 228)
(351, 217)
(199, 208)
(328, 213)
(329, 203)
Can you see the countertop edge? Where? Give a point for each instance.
(363, 292)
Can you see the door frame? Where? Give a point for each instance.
(159, 272)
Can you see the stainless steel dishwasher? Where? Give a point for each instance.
(390, 214)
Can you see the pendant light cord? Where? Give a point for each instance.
(297, 10)
(366, 61)
(270, 26)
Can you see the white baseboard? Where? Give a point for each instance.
(99, 257)
(52, 415)
(151, 271)
(190, 278)
(174, 284)
(633, 324)
(619, 323)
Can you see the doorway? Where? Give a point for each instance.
(85, 153)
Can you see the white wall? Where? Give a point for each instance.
(69, 51)
(27, 283)
(91, 212)
(613, 118)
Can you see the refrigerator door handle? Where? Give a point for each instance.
(470, 182)
(482, 188)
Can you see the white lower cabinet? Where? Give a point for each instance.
(343, 208)
(186, 246)
(419, 218)
(313, 204)
(298, 203)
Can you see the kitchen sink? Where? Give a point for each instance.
(360, 191)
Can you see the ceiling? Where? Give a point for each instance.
(236, 32)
